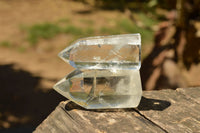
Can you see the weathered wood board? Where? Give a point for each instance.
(159, 111)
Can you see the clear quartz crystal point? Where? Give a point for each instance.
(102, 88)
(104, 52)
(107, 74)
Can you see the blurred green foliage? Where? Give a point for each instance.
(123, 25)
(45, 30)
(89, 31)
(110, 30)
(21, 49)
(5, 44)
(126, 26)
(71, 29)
(140, 8)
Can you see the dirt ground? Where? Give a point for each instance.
(27, 77)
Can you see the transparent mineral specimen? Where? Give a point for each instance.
(102, 88)
(107, 74)
(104, 52)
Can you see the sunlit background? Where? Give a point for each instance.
(32, 33)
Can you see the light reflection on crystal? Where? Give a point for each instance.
(107, 72)
(102, 88)
(105, 52)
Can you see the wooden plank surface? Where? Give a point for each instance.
(159, 111)
(183, 114)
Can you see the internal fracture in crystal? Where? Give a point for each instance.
(107, 72)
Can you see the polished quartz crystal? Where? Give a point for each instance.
(102, 88)
(107, 72)
(104, 52)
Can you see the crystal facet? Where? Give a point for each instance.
(107, 72)
(106, 52)
(102, 88)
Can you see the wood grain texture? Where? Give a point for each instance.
(159, 111)
(183, 115)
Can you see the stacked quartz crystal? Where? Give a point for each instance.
(107, 72)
